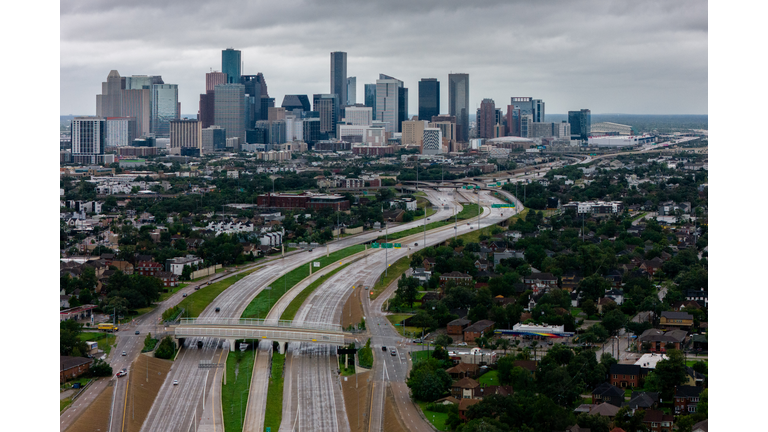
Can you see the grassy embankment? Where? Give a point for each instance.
(468, 211)
(105, 340)
(437, 419)
(235, 393)
(195, 303)
(394, 272)
(274, 411)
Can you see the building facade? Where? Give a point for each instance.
(339, 76)
(413, 132)
(486, 119)
(433, 141)
(388, 103)
(165, 107)
(429, 98)
(186, 133)
(458, 103)
(351, 90)
(370, 98)
(120, 131)
(581, 124)
(230, 65)
(88, 135)
(358, 115)
(229, 109)
(327, 105)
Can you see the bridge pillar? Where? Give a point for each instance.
(231, 345)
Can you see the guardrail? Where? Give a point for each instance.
(256, 322)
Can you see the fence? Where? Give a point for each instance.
(204, 272)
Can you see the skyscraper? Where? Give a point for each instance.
(255, 90)
(458, 101)
(230, 65)
(185, 133)
(88, 135)
(109, 102)
(351, 90)
(339, 75)
(429, 98)
(229, 110)
(293, 102)
(370, 97)
(389, 102)
(581, 124)
(433, 141)
(328, 107)
(529, 105)
(119, 131)
(165, 107)
(212, 79)
(486, 119)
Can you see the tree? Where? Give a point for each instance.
(595, 423)
(703, 407)
(424, 320)
(427, 381)
(443, 340)
(118, 305)
(589, 307)
(503, 344)
(407, 290)
(607, 360)
(69, 340)
(166, 349)
(669, 374)
(594, 287)
(630, 422)
(100, 368)
(614, 320)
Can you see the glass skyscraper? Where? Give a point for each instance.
(230, 65)
(229, 109)
(339, 75)
(389, 103)
(370, 97)
(429, 98)
(165, 107)
(458, 103)
(581, 124)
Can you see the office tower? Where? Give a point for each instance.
(230, 65)
(165, 106)
(88, 134)
(213, 138)
(311, 130)
(370, 98)
(513, 121)
(447, 129)
(486, 119)
(388, 103)
(402, 107)
(207, 109)
(277, 132)
(185, 133)
(538, 111)
(276, 113)
(266, 103)
(433, 141)
(229, 110)
(458, 103)
(526, 120)
(136, 104)
(550, 129)
(255, 90)
(294, 102)
(358, 115)
(328, 107)
(212, 79)
(109, 102)
(351, 90)
(339, 76)
(413, 132)
(581, 124)
(429, 98)
(119, 131)
(529, 105)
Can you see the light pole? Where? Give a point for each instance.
(386, 250)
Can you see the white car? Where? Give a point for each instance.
(175, 382)
(461, 344)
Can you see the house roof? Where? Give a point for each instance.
(462, 367)
(541, 276)
(450, 399)
(605, 301)
(608, 389)
(456, 274)
(641, 400)
(605, 410)
(466, 382)
(700, 426)
(466, 403)
(67, 362)
(656, 416)
(526, 364)
(459, 322)
(688, 391)
(479, 326)
(625, 369)
(656, 335)
(676, 315)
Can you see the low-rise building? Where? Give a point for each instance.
(73, 367)
(478, 329)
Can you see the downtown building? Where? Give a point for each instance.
(370, 98)
(429, 98)
(486, 119)
(351, 91)
(230, 65)
(128, 97)
(339, 76)
(391, 102)
(229, 109)
(120, 131)
(581, 124)
(433, 141)
(327, 106)
(458, 103)
(88, 136)
(186, 137)
(213, 138)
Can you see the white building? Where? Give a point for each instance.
(176, 265)
(433, 141)
(620, 141)
(120, 131)
(358, 116)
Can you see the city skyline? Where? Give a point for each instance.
(570, 65)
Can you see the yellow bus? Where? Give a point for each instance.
(108, 327)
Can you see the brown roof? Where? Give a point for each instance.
(466, 383)
(479, 326)
(526, 364)
(657, 416)
(605, 410)
(67, 362)
(466, 403)
(462, 367)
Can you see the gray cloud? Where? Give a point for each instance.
(631, 57)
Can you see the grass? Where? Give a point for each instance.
(474, 235)
(262, 303)
(290, 312)
(690, 363)
(106, 340)
(489, 378)
(575, 311)
(417, 356)
(274, 412)
(437, 419)
(196, 302)
(395, 270)
(63, 403)
(236, 388)
(468, 211)
(404, 331)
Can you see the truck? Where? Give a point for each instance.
(107, 327)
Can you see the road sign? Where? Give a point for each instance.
(387, 245)
(243, 347)
(397, 246)
(375, 245)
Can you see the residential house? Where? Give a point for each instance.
(614, 278)
(694, 378)
(124, 266)
(429, 263)
(603, 302)
(702, 426)
(547, 279)
(463, 370)
(643, 400)
(616, 295)
(483, 391)
(661, 341)
(686, 399)
(676, 319)
(464, 405)
(73, 367)
(64, 301)
(478, 329)
(623, 375)
(504, 301)
(679, 306)
(699, 296)
(651, 266)
(700, 342)
(462, 389)
(422, 274)
(529, 365)
(606, 409)
(457, 326)
(169, 279)
(607, 392)
(176, 265)
(148, 268)
(657, 421)
(455, 276)
(570, 280)
(481, 265)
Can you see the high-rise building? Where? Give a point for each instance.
(581, 124)
(429, 98)
(458, 101)
(526, 120)
(358, 115)
(370, 98)
(311, 130)
(294, 102)
(433, 141)
(207, 109)
(351, 90)
(529, 105)
(230, 109)
(550, 129)
(402, 108)
(165, 107)
(328, 107)
(486, 119)
(513, 121)
(136, 104)
(120, 131)
(213, 138)
(230, 65)
(109, 102)
(185, 133)
(339, 76)
(447, 129)
(413, 132)
(88, 135)
(389, 102)
(212, 79)
(276, 113)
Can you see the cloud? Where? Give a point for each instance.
(633, 57)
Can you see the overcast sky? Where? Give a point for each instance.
(647, 57)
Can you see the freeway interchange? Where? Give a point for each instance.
(312, 395)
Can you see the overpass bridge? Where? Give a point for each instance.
(281, 331)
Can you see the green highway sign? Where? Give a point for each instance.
(387, 245)
(397, 246)
(375, 245)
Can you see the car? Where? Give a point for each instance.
(383, 348)
(393, 352)
(429, 219)
(121, 374)
(310, 250)
(550, 343)
(467, 223)
(417, 341)
(415, 244)
(124, 353)
(199, 344)
(137, 332)
(461, 344)
(175, 382)
(218, 309)
(184, 295)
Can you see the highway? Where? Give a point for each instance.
(232, 302)
(314, 399)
